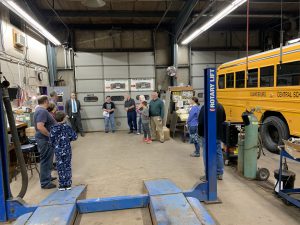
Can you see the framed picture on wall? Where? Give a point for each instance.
(116, 85)
(142, 84)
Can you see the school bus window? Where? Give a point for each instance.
(288, 74)
(267, 76)
(252, 78)
(240, 79)
(222, 81)
(230, 80)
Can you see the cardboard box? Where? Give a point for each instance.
(166, 133)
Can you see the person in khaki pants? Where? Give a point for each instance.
(156, 113)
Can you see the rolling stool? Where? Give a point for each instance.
(29, 152)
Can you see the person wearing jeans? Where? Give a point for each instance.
(131, 114)
(220, 118)
(192, 124)
(43, 122)
(139, 113)
(109, 114)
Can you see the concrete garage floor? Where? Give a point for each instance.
(116, 164)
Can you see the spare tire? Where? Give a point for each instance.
(272, 132)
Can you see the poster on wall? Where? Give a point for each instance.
(116, 85)
(142, 84)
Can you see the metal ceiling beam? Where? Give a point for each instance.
(184, 16)
(112, 13)
(118, 26)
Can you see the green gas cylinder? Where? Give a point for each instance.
(250, 145)
(241, 143)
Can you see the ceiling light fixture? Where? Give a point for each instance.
(11, 5)
(293, 41)
(234, 5)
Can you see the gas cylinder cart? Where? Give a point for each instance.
(285, 178)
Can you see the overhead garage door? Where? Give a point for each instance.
(100, 74)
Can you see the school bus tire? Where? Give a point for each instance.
(273, 130)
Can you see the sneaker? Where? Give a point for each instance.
(220, 177)
(130, 132)
(149, 141)
(61, 188)
(49, 186)
(138, 133)
(145, 139)
(106, 131)
(195, 155)
(162, 141)
(68, 188)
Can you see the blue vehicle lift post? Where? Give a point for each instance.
(164, 197)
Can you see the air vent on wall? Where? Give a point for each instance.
(19, 39)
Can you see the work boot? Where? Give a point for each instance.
(49, 186)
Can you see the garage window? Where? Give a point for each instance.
(240, 79)
(119, 98)
(288, 74)
(252, 78)
(267, 76)
(230, 80)
(221, 81)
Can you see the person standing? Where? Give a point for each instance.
(146, 122)
(73, 108)
(61, 136)
(139, 109)
(156, 112)
(220, 118)
(109, 114)
(53, 97)
(192, 124)
(131, 113)
(43, 122)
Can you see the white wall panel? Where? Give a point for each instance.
(121, 124)
(89, 85)
(116, 72)
(198, 82)
(88, 59)
(226, 56)
(198, 69)
(93, 125)
(203, 57)
(141, 58)
(142, 71)
(115, 58)
(80, 97)
(91, 72)
(91, 112)
(120, 110)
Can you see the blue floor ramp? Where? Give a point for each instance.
(58, 208)
(171, 207)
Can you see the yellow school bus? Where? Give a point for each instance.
(272, 86)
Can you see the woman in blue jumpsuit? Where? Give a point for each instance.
(61, 136)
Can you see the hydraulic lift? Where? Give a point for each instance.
(168, 203)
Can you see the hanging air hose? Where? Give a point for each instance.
(15, 137)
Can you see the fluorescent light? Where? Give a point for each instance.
(235, 4)
(20, 12)
(293, 41)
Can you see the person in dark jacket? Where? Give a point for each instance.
(221, 117)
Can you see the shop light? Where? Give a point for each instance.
(11, 5)
(293, 41)
(234, 5)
